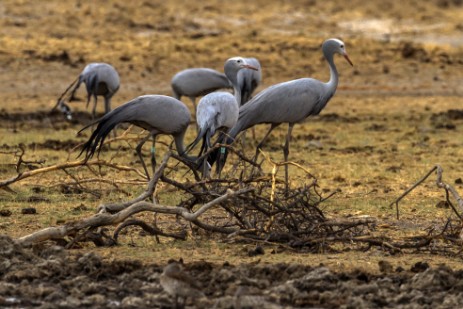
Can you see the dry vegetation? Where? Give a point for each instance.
(396, 114)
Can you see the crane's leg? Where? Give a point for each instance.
(262, 142)
(107, 104)
(206, 171)
(243, 137)
(193, 100)
(89, 96)
(138, 150)
(94, 107)
(286, 153)
(223, 152)
(153, 154)
(253, 131)
(107, 109)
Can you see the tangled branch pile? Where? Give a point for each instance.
(253, 207)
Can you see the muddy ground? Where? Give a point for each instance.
(396, 113)
(52, 278)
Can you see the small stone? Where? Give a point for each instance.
(385, 266)
(258, 250)
(5, 213)
(419, 267)
(29, 211)
(442, 204)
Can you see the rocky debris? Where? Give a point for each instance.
(53, 278)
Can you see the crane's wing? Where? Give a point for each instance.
(290, 102)
(155, 113)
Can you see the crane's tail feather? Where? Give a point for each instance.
(105, 125)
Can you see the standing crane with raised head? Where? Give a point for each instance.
(100, 79)
(249, 80)
(198, 82)
(219, 110)
(157, 114)
(288, 102)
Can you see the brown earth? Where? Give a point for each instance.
(396, 114)
(54, 279)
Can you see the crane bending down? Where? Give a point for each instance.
(157, 114)
(289, 102)
(197, 82)
(100, 79)
(219, 110)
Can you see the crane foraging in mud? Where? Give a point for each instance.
(100, 79)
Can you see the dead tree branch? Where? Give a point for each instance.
(440, 184)
(113, 208)
(105, 218)
(152, 230)
(66, 165)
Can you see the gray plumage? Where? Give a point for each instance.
(197, 82)
(219, 110)
(290, 102)
(157, 114)
(100, 79)
(249, 80)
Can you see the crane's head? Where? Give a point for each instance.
(237, 63)
(65, 109)
(234, 65)
(332, 46)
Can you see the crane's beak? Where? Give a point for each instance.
(247, 66)
(348, 60)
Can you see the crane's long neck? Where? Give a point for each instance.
(237, 93)
(233, 78)
(178, 139)
(333, 82)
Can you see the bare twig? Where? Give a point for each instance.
(112, 208)
(152, 230)
(20, 154)
(440, 184)
(66, 165)
(449, 188)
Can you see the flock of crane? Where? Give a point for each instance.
(288, 102)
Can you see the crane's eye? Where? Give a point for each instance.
(342, 46)
(239, 60)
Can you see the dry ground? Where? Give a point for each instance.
(396, 114)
